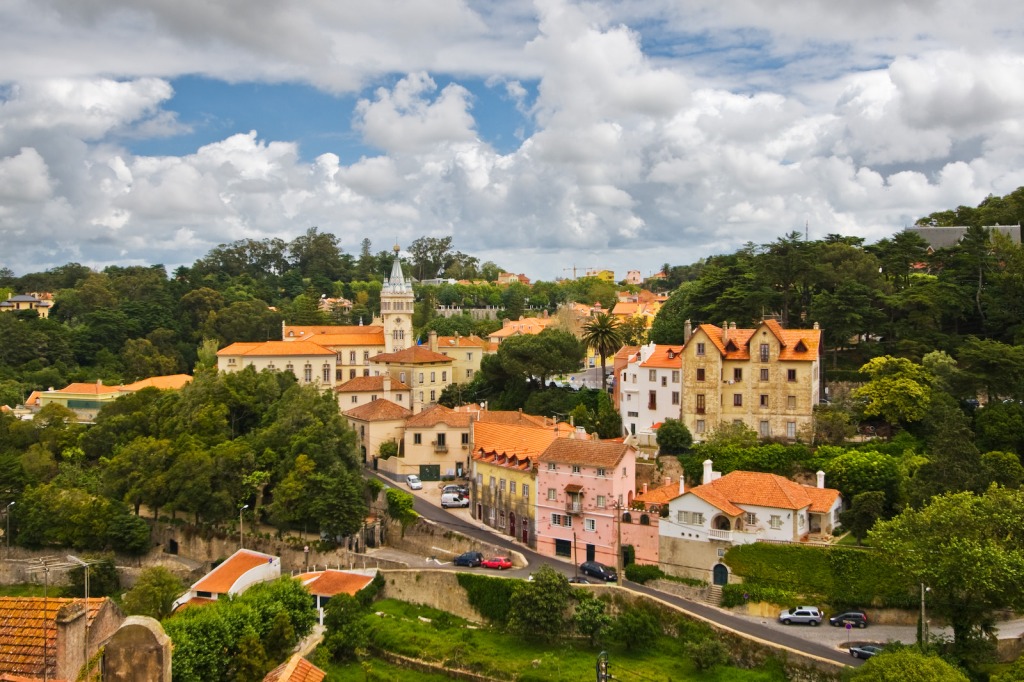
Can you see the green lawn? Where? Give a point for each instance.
(458, 644)
(27, 590)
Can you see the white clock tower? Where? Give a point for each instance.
(396, 308)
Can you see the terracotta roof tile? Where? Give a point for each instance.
(295, 669)
(88, 388)
(331, 582)
(413, 355)
(510, 439)
(221, 579)
(169, 382)
(665, 357)
(797, 344)
(275, 348)
(363, 338)
(369, 384)
(305, 331)
(471, 341)
(439, 414)
(764, 490)
(586, 452)
(660, 495)
(28, 628)
(33, 399)
(379, 410)
(511, 417)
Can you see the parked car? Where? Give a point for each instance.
(801, 614)
(462, 490)
(857, 619)
(865, 650)
(453, 500)
(579, 580)
(599, 571)
(498, 562)
(470, 559)
(414, 482)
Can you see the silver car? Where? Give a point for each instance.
(801, 614)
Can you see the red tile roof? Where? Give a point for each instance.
(89, 388)
(331, 582)
(471, 341)
(763, 490)
(221, 579)
(664, 357)
(295, 669)
(379, 410)
(415, 355)
(585, 452)
(660, 495)
(28, 627)
(439, 414)
(508, 439)
(511, 417)
(275, 349)
(369, 384)
(171, 381)
(796, 344)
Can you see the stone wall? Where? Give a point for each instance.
(429, 539)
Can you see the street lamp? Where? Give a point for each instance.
(7, 533)
(241, 532)
(924, 623)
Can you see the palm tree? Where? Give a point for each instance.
(602, 335)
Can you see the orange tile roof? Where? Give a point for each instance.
(379, 410)
(88, 388)
(331, 582)
(33, 399)
(28, 628)
(369, 384)
(511, 417)
(796, 344)
(509, 439)
(363, 338)
(222, 578)
(168, 382)
(586, 452)
(471, 341)
(414, 355)
(660, 495)
(274, 348)
(304, 331)
(665, 357)
(295, 669)
(529, 325)
(763, 490)
(626, 351)
(439, 414)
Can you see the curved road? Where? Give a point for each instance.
(498, 541)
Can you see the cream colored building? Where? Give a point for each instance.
(767, 378)
(425, 372)
(312, 364)
(86, 399)
(435, 444)
(466, 353)
(38, 302)
(363, 390)
(375, 423)
(353, 345)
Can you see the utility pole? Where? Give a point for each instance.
(241, 530)
(923, 636)
(618, 543)
(602, 667)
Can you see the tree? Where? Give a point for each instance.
(906, 665)
(602, 335)
(969, 549)
(674, 438)
(590, 619)
(859, 471)
(154, 593)
(637, 627)
(344, 635)
(867, 508)
(1002, 468)
(537, 608)
(898, 390)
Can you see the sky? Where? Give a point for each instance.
(543, 136)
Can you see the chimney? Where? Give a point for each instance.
(70, 640)
(725, 332)
(687, 331)
(387, 386)
(816, 326)
(821, 479)
(732, 325)
(682, 484)
(432, 341)
(708, 474)
(99, 382)
(645, 489)
(668, 480)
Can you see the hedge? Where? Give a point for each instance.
(491, 597)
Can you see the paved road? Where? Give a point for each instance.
(460, 520)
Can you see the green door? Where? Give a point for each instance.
(430, 472)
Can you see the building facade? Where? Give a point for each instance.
(311, 363)
(650, 390)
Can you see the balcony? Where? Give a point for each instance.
(701, 410)
(574, 506)
(724, 535)
(439, 447)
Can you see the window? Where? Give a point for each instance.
(469, 374)
(675, 397)
(737, 400)
(421, 396)
(355, 399)
(351, 357)
(442, 439)
(366, 356)
(563, 548)
(479, 479)
(764, 352)
(764, 429)
(700, 348)
(764, 374)
(750, 518)
(465, 438)
(690, 518)
(526, 491)
(652, 400)
(401, 377)
(700, 374)
(634, 378)
(290, 367)
(511, 487)
(444, 376)
(491, 483)
(764, 400)
(551, 466)
(307, 373)
(601, 471)
(351, 374)
(501, 485)
(700, 403)
(576, 468)
(589, 525)
(552, 494)
(398, 335)
(469, 356)
(664, 381)
(417, 439)
(433, 377)
(700, 426)
(372, 398)
(561, 520)
(501, 519)
(675, 376)
(737, 374)
(791, 430)
(790, 375)
(421, 377)
(600, 502)
(433, 395)
(791, 402)
(776, 522)
(632, 414)
(366, 372)
(327, 374)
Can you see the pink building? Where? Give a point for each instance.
(582, 486)
(640, 524)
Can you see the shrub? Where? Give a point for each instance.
(707, 653)
(491, 597)
(643, 573)
(737, 594)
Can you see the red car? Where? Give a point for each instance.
(498, 562)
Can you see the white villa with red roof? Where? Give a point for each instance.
(740, 508)
(234, 575)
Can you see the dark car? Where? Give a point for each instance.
(460, 490)
(857, 619)
(865, 651)
(470, 559)
(578, 580)
(599, 571)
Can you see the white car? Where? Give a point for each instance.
(453, 500)
(414, 482)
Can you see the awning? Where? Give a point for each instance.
(573, 488)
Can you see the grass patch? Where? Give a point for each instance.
(849, 541)
(28, 590)
(439, 637)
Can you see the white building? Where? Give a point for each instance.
(650, 390)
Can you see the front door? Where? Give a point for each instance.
(526, 535)
(591, 552)
(721, 574)
(511, 524)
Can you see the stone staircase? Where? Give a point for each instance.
(713, 595)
